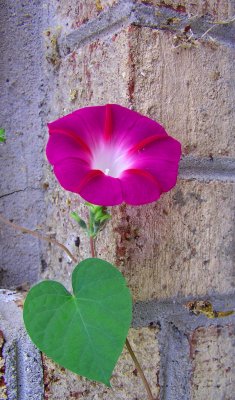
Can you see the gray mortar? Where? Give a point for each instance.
(107, 22)
(168, 19)
(204, 169)
(21, 157)
(174, 311)
(175, 323)
(162, 18)
(175, 368)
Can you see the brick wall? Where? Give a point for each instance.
(155, 57)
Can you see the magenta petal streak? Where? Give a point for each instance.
(110, 155)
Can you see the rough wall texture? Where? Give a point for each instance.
(172, 61)
(212, 361)
(21, 157)
(216, 8)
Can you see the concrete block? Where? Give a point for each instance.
(218, 9)
(21, 254)
(212, 352)
(21, 158)
(21, 366)
(61, 384)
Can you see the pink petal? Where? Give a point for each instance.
(130, 127)
(70, 172)
(161, 160)
(62, 146)
(102, 190)
(111, 139)
(139, 187)
(86, 124)
(108, 123)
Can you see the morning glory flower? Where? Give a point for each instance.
(110, 155)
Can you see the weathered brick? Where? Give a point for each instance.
(61, 384)
(178, 246)
(94, 74)
(213, 352)
(76, 12)
(218, 9)
(189, 90)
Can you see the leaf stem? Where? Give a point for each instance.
(139, 369)
(92, 247)
(129, 348)
(39, 236)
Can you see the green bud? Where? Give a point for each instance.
(78, 219)
(98, 214)
(105, 217)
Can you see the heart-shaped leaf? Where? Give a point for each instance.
(84, 332)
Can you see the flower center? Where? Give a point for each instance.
(110, 160)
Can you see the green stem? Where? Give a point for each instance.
(139, 369)
(129, 348)
(92, 247)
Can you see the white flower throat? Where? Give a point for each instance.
(111, 160)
